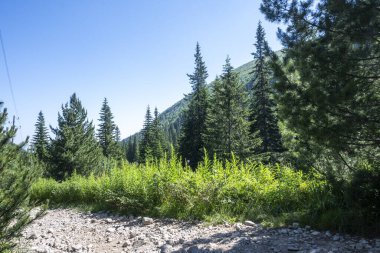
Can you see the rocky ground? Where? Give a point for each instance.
(67, 230)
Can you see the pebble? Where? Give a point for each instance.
(111, 230)
(147, 221)
(67, 230)
(249, 223)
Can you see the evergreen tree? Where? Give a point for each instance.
(227, 121)
(107, 132)
(192, 140)
(328, 80)
(146, 145)
(74, 147)
(117, 134)
(40, 139)
(130, 151)
(136, 149)
(262, 115)
(157, 144)
(17, 175)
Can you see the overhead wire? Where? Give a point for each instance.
(10, 81)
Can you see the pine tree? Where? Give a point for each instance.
(107, 133)
(40, 139)
(192, 140)
(157, 144)
(262, 116)
(328, 80)
(227, 121)
(146, 145)
(16, 178)
(74, 147)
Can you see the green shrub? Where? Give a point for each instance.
(231, 190)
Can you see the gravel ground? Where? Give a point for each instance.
(68, 230)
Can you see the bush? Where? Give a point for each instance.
(165, 188)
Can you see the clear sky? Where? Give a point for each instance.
(133, 52)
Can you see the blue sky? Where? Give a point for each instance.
(134, 53)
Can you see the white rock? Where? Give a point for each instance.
(147, 221)
(249, 223)
(77, 247)
(127, 244)
(111, 230)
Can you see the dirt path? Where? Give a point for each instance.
(67, 230)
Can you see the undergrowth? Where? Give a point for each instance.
(215, 192)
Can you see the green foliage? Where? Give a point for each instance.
(133, 149)
(165, 188)
(328, 80)
(17, 173)
(193, 129)
(151, 138)
(157, 143)
(40, 139)
(146, 144)
(264, 122)
(108, 133)
(227, 121)
(74, 147)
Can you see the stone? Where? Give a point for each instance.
(111, 230)
(32, 236)
(194, 249)
(336, 238)
(293, 248)
(132, 234)
(295, 225)
(147, 221)
(76, 247)
(166, 248)
(41, 250)
(109, 220)
(126, 244)
(328, 233)
(249, 223)
(315, 233)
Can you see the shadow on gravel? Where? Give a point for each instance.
(253, 241)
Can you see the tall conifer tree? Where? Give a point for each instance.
(40, 139)
(146, 145)
(74, 147)
(108, 132)
(17, 175)
(227, 122)
(157, 144)
(262, 116)
(192, 141)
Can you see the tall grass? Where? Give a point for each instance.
(215, 191)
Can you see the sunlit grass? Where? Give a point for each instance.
(215, 192)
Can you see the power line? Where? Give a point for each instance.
(9, 79)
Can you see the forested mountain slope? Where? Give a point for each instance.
(171, 118)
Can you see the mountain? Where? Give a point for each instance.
(171, 117)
